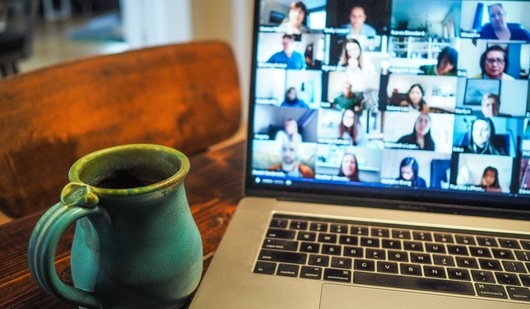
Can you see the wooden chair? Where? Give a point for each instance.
(184, 96)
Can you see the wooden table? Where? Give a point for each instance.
(213, 185)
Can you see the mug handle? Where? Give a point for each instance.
(77, 201)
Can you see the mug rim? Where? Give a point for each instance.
(76, 169)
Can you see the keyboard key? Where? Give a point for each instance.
(288, 270)
(340, 262)
(331, 249)
(523, 256)
(517, 293)
(415, 283)
(339, 275)
(413, 246)
(434, 272)
(339, 228)
(265, 268)
(401, 256)
(457, 250)
(483, 276)
(348, 240)
(319, 260)
(391, 244)
(298, 225)
(359, 230)
(376, 254)
(509, 243)
(369, 242)
(465, 240)
(507, 278)
(366, 265)
(516, 267)
(458, 274)
(309, 272)
(282, 256)
(380, 232)
(318, 227)
(279, 223)
(525, 243)
(444, 238)
(284, 234)
(387, 267)
(353, 252)
(503, 254)
(487, 241)
(443, 260)
(400, 234)
(280, 244)
(310, 247)
(490, 264)
(421, 258)
(423, 236)
(410, 269)
(488, 290)
(479, 252)
(525, 279)
(435, 248)
(327, 238)
(466, 262)
(307, 236)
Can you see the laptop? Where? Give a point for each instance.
(387, 163)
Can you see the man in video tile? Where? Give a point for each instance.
(293, 59)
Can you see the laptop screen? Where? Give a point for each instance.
(424, 101)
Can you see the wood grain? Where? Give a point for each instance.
(213, 186)
(184, 96)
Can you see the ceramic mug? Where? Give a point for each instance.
(136, 244)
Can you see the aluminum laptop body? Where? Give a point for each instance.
(372, 119)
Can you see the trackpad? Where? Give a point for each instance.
(363, 297)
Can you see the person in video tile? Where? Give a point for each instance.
(499, 28)
(349, 127)
(358, 25)
(356, 63)
(415, 99)
(490, 105)
(293, 59)
(289, 133)
(447, 63)
(490, 180)
(290, 163)
(480, 138)
(494, 63)
(421, 135)
(291, 99)
(408, 171)
(348, 167)
(294, 24)
(348, 99)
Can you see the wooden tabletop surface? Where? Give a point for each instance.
(213, 186)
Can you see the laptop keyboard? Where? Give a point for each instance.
(468, 263)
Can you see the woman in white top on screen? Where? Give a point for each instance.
(294, 24)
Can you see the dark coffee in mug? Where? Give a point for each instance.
(127, 179)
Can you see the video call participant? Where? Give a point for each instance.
(294, 24)
(349, 128)
(291, 99)
(480, 138)
(358, 25)
(498, 28)
(494, 64)
(289, 133)
(290, 164)
(293, 59)
(490, 180)
(348, 99)
(415, 99)
(352, 57)
(408, 171)
(421, 134)
(447, 63)
(490, 105)
(348, 167)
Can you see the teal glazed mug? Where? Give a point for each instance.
(136, 244)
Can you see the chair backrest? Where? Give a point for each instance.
(16, 40)
(184, 96)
